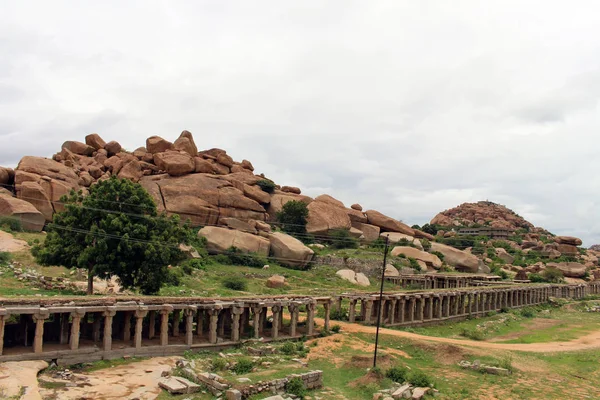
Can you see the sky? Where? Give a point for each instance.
(406, 107)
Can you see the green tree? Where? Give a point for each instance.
(115, 230)
(292, 217)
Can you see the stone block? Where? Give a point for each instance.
(191, 386)
(172, 385)
(233, 394)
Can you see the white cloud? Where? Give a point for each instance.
(407, 107)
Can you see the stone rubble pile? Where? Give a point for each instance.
(404, 391)
(31, 276)
(488, 369)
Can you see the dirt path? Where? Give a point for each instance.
(10, 244)
(587, 342)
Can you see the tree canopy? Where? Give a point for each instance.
(115, 230)
(292, 217)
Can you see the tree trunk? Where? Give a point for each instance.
(90, 285)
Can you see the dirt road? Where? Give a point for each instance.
(587, 342)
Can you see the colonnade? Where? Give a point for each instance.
(441, 281)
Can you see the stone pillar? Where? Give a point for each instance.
(151, 324)
(256, 321)
(411, 308)
(164, 325)
(368, 311)
(310, 321)
(189, 325)
(447, 306)
(456, 304)
(429, 307)
(338, 304)
(236, 313)
(39, 318)
(127, 326)
(176, 320)
(327, 306)
(221, 324)
(352, 311)
(275, 330)
(109, 314)
(214, 319)
(139, 324)
(3, 317)
(75, 327)
(470, 305)
(64, 327)
(293, 309)
(392, 312)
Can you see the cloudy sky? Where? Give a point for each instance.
(408, 107)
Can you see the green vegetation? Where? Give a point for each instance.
(292, 218)
(4, 257)
(243, 366)
(235, 256)
(397, 374)
(235, 283)
(551, 275)
(10, 224)
(426, 244)
(266, 185)
(296, 387)
(341, 239)
(115, 230)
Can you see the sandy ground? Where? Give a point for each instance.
(17, 375)
(138, 380)
(587, 342)
(10, 244)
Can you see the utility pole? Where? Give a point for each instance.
(380, 300)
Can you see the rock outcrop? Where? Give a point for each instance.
(388, 224)
(30, 218)
(461, 260)
(569, 269)
(219, 240)
(289, 250)
(430, 259)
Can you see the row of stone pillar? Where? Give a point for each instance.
(435, 282)
(421, 307)
(213, 321)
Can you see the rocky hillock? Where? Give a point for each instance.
(484, 213)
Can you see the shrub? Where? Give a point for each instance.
(236, 256)
(235, 283)
(397, 374)
(419, 378)
(11, 224)
(377, 372)
(341, 239)
(414, 264)
(440, 255)
(339, 315)
(506, 363)
(288, 348)
(218, 364)
(243, 366)
(473, 334)
(266, 185)
(426, 244)
(527, 312)
(4, 257)
(296, 387)
(187, 269)
(553, 275)
(292, 217)
(174, 276)
(336, 328)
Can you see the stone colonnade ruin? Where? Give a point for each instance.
(443, 281)
(82, 330)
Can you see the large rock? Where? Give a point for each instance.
(370, 232)
(55, 190)
(31, 219)
(35, 194)
(132, 170)
(325, 198)
(362, 280)
(324, 217)
(46, 167)
(423, 235)
(78, 148)
(390, 270)
(429, 259)
(156, 144)
(388, 224)
(573, 241)
(459, 259)
(356, 207)
(395, 237)
(185, 143)
(112, 148)
(356, 216)
(175, 163)
(5, 175)
(95, 141)
(225, 160)
(289, 250)
(203, 166)
(504, 256)
(291, 189)
(569, 269)
(354, 278)
(218, 240)
(276, 282)
(568, 249)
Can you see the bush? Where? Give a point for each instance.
(296, 387)
(288, 348)
(336, 328)
(527, 312)
(174, 277)
(339, 315)
(243, 366)
(341, 239)
(397, 374)
(419, 378)
(235, 283)
(553, 275)
(414, 264)
(440, 255)
(4, 257)
(266, 185)
(218, 364)
(426, 244)
(11, 224)
(292, 218)
(236, 256)
(473, 334)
